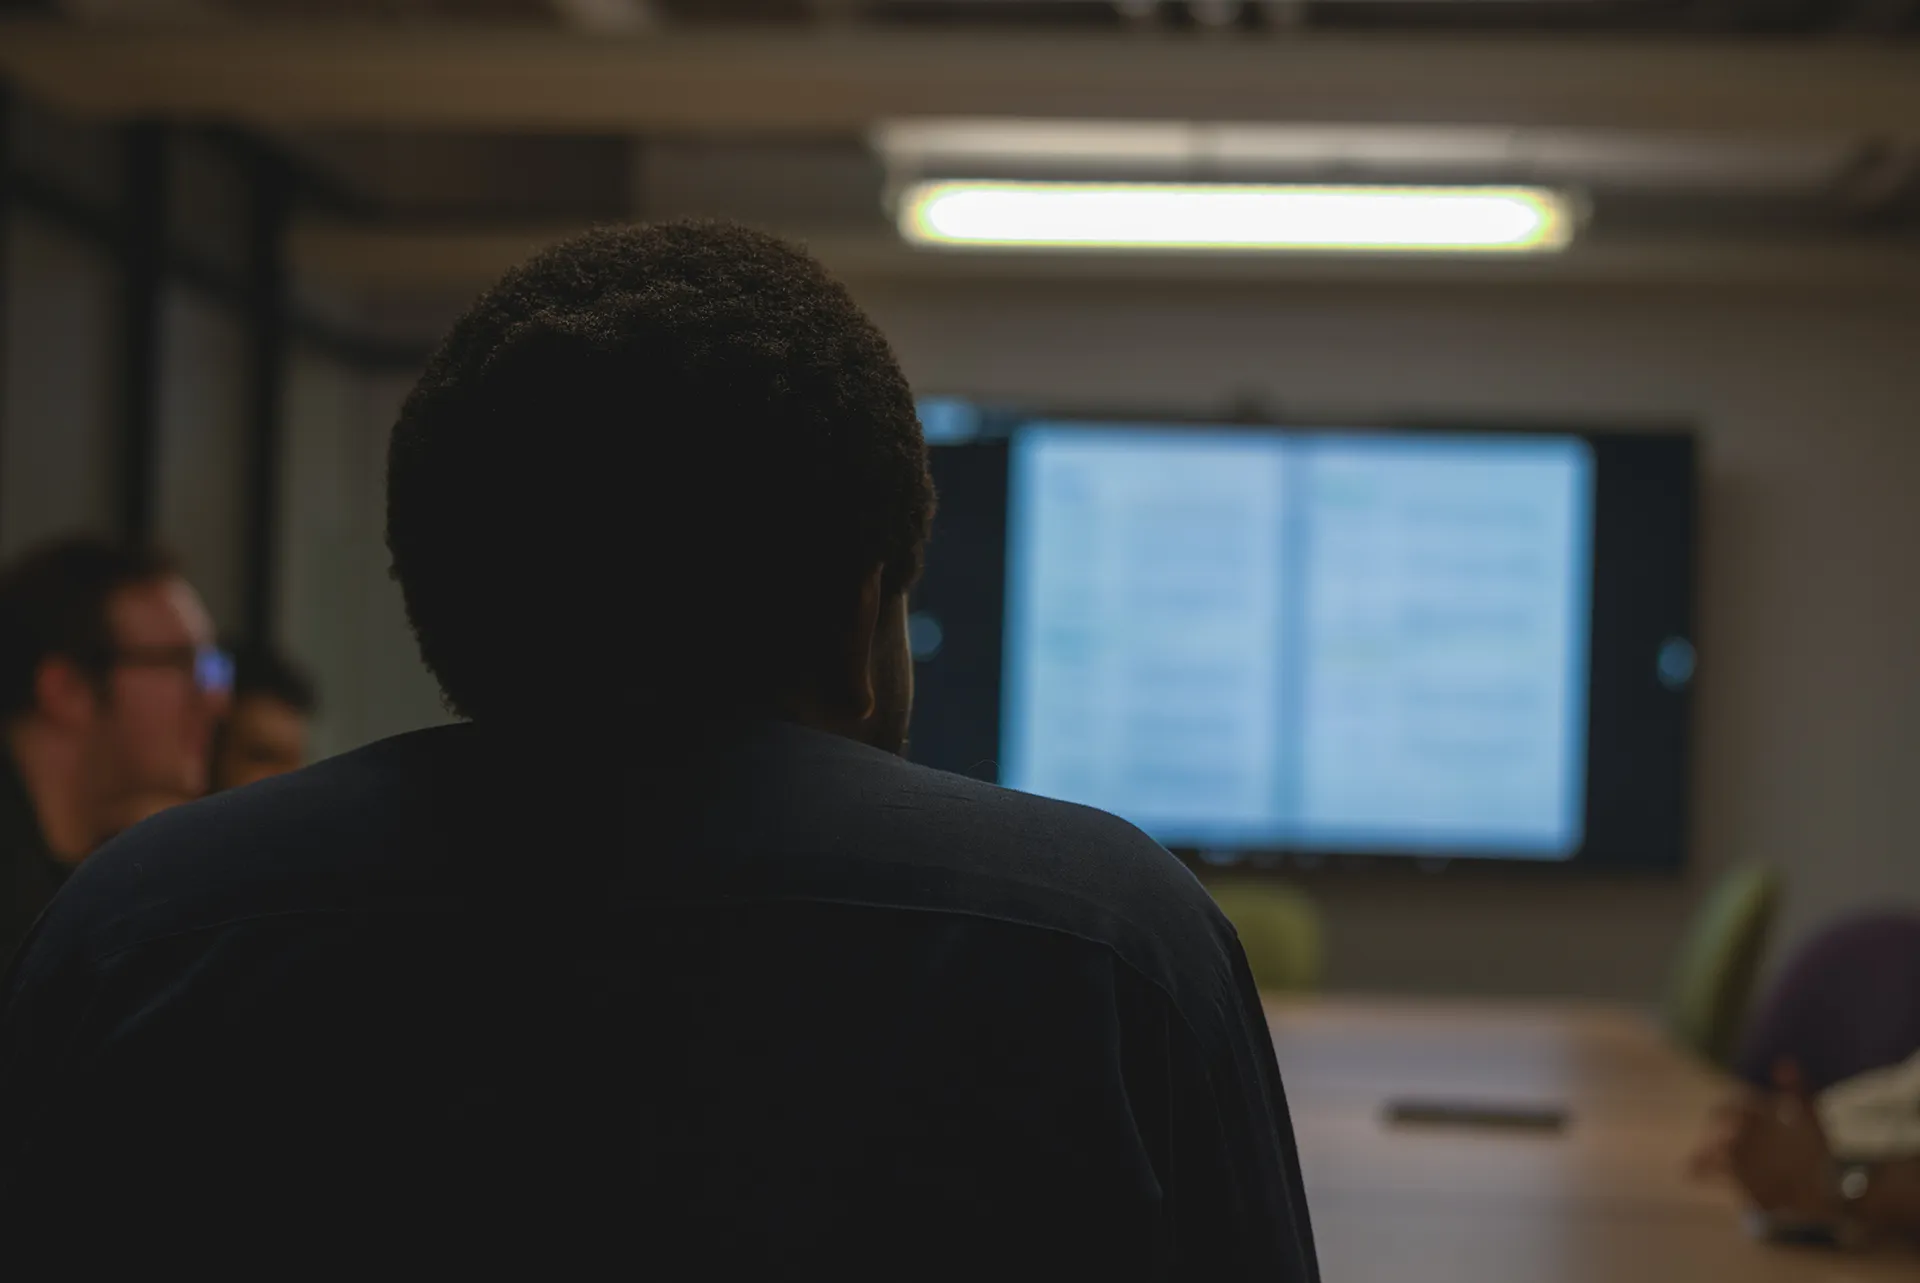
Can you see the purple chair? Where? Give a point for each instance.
(1848, 1002)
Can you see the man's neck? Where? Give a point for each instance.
(51, 767)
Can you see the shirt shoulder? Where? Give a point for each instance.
(805, 814)
(353, 830)
(459, 820)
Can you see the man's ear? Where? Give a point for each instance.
(857, 650)
(62, 693)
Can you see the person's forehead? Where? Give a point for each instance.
(166, 612)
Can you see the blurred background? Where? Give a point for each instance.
(233, 229)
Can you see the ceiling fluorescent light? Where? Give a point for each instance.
(1222, 216)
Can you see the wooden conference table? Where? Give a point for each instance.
(1605, 1201)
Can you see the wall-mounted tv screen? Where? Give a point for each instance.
(1262, 642)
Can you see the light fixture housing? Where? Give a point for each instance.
(1235, 217)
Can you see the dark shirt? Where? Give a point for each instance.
(775, 1000)
(29, 875)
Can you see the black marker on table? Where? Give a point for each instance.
(1476, 1113)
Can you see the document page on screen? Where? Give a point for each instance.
(1256, 638)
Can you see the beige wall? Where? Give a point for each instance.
(340, 615)
(1808, 709)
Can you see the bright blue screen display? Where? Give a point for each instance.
(1298, 640)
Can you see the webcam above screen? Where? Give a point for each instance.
(1268, 642)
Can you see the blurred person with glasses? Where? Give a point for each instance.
(110, 688)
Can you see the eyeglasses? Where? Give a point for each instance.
(210, 667)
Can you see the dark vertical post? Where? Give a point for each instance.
(143, 256)
(270, 189)
(7, 186)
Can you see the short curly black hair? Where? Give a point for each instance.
(651, 459)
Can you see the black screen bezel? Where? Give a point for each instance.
(1638, 757)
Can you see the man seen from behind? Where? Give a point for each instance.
(664, 958)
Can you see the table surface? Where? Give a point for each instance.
(1607, 1200)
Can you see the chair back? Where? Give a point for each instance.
(1848, 1001)
(1713, 977)
(1279, 928)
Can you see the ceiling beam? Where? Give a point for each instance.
(800, 82)
(396, 260)
(136, 11)
(606, 17)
